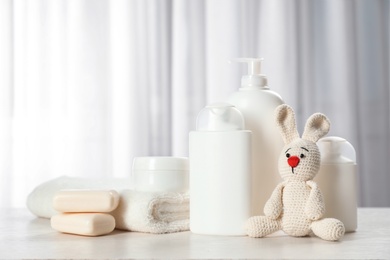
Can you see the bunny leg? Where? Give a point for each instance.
(260, 226)
(328, 229)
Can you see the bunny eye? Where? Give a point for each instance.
(302, 155)
(287, 155)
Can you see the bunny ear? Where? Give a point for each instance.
(316, 127)
(285, 120)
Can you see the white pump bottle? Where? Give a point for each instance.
(257, 104)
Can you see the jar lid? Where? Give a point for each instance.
(158, 163)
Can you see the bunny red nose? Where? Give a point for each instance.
(293, 161)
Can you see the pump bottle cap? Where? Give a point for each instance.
(254, 78)
(220, 117)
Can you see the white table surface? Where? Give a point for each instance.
(23, 236)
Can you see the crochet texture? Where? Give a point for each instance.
(296, 206)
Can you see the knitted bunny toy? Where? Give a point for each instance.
(296, 205)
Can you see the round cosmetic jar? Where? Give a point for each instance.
(158, 174)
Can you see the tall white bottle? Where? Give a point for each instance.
(257, 104)
(337, 180)
(220, 172)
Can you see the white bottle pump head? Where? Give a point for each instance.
(336, 150)
(220, 117)
(254, 78)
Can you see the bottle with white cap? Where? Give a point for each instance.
(257, 103)
(337, 180)
(220, 175)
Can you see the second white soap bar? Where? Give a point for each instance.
(86, 200)
(86, 224)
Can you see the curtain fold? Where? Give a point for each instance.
(6, 100)
(86, 85)
(189, 70)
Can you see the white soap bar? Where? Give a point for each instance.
(86, 224)
(86, 200)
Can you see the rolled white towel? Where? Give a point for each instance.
(40, 200)
(153, 212)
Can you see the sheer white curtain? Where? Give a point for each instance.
(86, 85)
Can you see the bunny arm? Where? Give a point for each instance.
(315, 206)
(274, 206)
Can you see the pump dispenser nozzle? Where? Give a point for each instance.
(254, 78)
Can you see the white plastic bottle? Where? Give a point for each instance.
(220, 175)
(257, 104)
(337, 180)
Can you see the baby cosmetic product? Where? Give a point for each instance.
(84, 212)
(257, 103)
(337, 180)
(220, 172)
(85, 224)
(158, 174)
(86, 200)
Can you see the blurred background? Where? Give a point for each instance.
(86, 85)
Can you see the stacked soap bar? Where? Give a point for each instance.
(85, 212)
